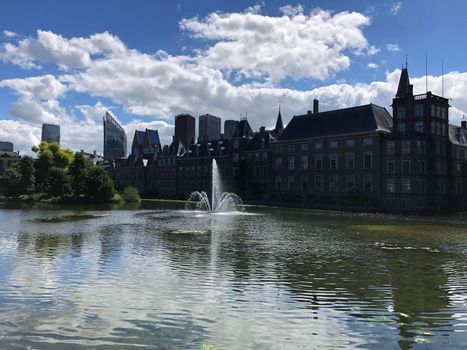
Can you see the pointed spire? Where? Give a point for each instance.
(404, 83)
(279, 125)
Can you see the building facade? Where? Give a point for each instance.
(6, 146)
(209, 128)
(229, 128)
(115, 141)
(51, 133)
(358, 158)
(185, 129)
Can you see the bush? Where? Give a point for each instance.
(130, 194)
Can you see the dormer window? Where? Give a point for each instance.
(401, 112)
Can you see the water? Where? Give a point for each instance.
(264, 279)
(220, 201)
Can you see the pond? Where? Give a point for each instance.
(159, 277)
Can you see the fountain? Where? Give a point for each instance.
(220, 201)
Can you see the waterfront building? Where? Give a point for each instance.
(229, 128)
(6, 146)
(209, 128)
(51, 133)
(115, 141)
(6, 159)
(353, 158)
(185, 129)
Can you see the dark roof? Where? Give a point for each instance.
(243, 129)
(358, 119)
(153, 137)
(404, 83)
(260, 141)
(279, 125)
(457, 135)
(139, 135)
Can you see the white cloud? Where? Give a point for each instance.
(295, 45)
(395, 8)
(372, 65)
(9, 34)
(393, 47)
(291, 10)
(49, 47)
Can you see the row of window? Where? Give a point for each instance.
(333, 162)
(405, 147)
(435, 111)
(257, 156)
(407, 185)
(350, 183)
(333, 144)
(405, 168)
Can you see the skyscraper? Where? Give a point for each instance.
(50, 133)
(6, 146)
(229, 128)
(184, 129)
(209, 127)
(115, 141)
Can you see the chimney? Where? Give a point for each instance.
(308, 112)
(464, 124)
(262, 129)
(315, 106)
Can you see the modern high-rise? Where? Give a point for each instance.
(6, 146)
(209, 127)
(229, 128)
(184, 129)
(50, 133)
(115, 141)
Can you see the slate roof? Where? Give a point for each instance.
(153, 137)
(243, 129)
(404, 82)
(260, 141)
(457, 135)
(279, 125)
(360, 119)
(140, 136)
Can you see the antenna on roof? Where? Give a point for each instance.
(442, 77)
(426, 71)
(406, 56)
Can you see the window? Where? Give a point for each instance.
(257, 157)
(406, 188)
(405, 147)
(332, 144)
(350, 183)
(278, 182)
(318, 145)
(291, 163)
(304, 183)
(438, 111)
(265, 156)
(333, 161)
(304, 147)
(433, 111)
(367, 160)
(318, 183)
(349, 160)
(367, 141)
(391, 147)
(304, 162)
(391, 165)
(291, 182)
(278, 163)
(291, 148)
(391, 185)
(458, 187)
(333, 183)
(350, 142)
(368, 183)
(236, 144)
(433, 127)
(401, 127)
(406, 167)
(278, 148)
(318, 162)
(443, 113)
(419, 126)
(441, 186)
(401, 112)
(419, 110)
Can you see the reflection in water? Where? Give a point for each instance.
(282, 279)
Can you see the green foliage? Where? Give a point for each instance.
(57, 174)
(131, 194)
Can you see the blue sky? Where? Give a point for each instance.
(159, 58)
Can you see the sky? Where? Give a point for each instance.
(67, 62)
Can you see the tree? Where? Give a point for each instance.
(60, 183)
(19, 178)
(99, 186)
(79, 170)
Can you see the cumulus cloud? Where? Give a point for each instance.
(372, 65)
(49, 47)
(9, 34)
(294, 45)
(393, 47)
(395, 8)
(291, 10)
